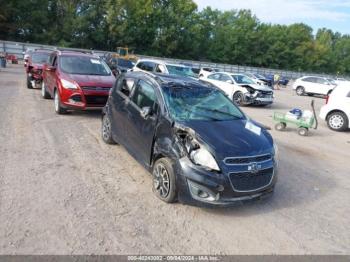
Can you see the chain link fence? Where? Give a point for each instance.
(18, 49)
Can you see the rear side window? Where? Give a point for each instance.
(348, 95)
(214, 76)
(147, 66)
(322, 81)
(144, 95)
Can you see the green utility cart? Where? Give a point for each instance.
(301, 123)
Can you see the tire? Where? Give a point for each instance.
(29, 84)
(300, 91)
(238, 98)
(338, 121)
(302, 131)
(44, 92)
(280, 126)
(164, 182)
(57, 101)
(106, 130)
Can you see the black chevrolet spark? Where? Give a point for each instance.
(197, 144)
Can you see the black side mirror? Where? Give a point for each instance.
(146, 112)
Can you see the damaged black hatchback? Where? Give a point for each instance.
(198, 145)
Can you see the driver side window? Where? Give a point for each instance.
(125, 85)
(225, 78)
(144, 95)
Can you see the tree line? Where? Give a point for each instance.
(177, 29)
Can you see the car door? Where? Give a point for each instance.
(50, 71)
(141, 128)
(215, 80)
(119, 100)
(310, 84)
(227, 84)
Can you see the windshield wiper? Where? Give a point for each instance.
(219, 111)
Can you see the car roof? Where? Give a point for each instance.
(166, 79)
(162, 62)
(45, 51)
(76, 53)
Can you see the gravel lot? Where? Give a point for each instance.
(63, 191)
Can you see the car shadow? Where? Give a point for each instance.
(90, 113)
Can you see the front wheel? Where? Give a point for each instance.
(338, 121)
(302, 131)
(58, 108)
(106, 130)
(300, 90)
(238, 98)
(164, 183)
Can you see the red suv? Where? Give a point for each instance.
(34, 67)
(76, 80)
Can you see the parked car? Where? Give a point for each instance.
(336, 111)
(241, 89)
(155, 66)
(313, 85)
(282, 80)
(76, 80)
(259, 79)
(340, 80)
(119, 65)
(34, 68)
(205, 71)
(12, 58)
(198, 145)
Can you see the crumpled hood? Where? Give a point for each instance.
(231, 138)
(258, 87)
(93, 80)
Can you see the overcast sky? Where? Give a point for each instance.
(333, 14)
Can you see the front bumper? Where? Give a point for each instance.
(200, 187)
(83, 99)
(259, 98)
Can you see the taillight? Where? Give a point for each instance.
(327, 99)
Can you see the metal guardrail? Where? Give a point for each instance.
(18, 48)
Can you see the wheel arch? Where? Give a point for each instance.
(335, 111)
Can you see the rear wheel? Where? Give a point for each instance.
(106, 130)
(44, 92)
(338, 121)
(58, 108)
(300, 90)
(29, 84)
(164, 183)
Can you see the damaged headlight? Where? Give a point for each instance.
(204, 158)
(197, 153)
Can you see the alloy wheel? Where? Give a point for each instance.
(161, 180)
(106, 128)
(336, 121)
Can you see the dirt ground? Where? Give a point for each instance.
(63, 191)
